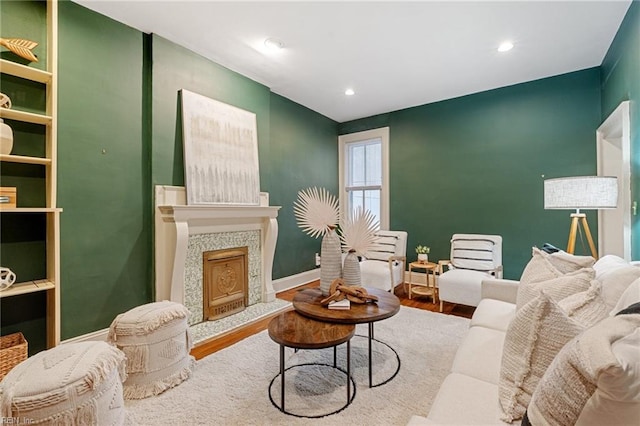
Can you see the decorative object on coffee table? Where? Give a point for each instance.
(20, 47)
(340, 291)
(358, 236)
(317, 213)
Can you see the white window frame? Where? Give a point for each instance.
(343, 140)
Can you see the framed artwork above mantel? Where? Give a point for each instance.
(220, 145)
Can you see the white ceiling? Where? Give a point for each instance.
(393, 54)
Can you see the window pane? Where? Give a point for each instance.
(372, 202)
(356, 199)
(374, 163)
(356, 165)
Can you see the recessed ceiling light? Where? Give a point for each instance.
(273, 44)
(505, 46)
(349, 92)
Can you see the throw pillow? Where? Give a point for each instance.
(539, 268)
(586, 307)
(556, 288)
(630, 296)
(534, 337)
(566, 262)
(615, 281)
(595, 379)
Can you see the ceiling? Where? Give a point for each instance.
(394, 55)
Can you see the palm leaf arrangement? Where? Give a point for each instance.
(20, 47)
(316, 211)
(358, 231)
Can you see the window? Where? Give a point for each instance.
(364, 178)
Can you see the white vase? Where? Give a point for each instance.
(6, 138)
(423, 257)
(351, 270)
(331, 264)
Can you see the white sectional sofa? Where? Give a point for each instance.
(470, 393)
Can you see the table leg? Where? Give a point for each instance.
(335, 357)
(348, 370)
(410, 281)
(370, 360)
(282, 378)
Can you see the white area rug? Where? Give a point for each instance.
(231, 387)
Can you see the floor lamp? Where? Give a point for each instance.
(581, 192)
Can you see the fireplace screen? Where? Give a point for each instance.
(225, 276)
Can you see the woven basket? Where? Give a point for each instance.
(13, 350)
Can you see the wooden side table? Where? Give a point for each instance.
(423, 290)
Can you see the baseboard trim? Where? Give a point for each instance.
(292, 281)
(95, 335)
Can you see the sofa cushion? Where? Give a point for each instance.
(630, 296)
(556, 288)
(586, 307)
(464, 400)
(595, 379)
(481, 347)
(534, 337)
(494, 314)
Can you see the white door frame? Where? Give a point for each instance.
(613, 145)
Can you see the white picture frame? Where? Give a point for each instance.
(220, 145)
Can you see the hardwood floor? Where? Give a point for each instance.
(230, 338)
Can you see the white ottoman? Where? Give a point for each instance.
(72, 384)
(155, 339)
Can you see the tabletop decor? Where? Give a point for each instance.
(316, 211)
(423, 253)
(357, 236)
(339, 291)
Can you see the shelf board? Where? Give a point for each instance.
(25, 160)
(29, 117)
(27, 287)
(23, 71)
(30, 210)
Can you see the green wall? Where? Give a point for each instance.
(103, 173)
(475, 164)
(304, 153)
(621, 82)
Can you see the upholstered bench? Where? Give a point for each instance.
(155, 339)
(75, 383)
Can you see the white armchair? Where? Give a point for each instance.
(474, 258)
(383, 266)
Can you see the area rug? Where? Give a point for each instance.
(236, 385)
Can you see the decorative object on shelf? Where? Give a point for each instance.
(6, 133)
(20, 47)
(317, 213)
(358, 236)
(7, 278)
(581, 192)
(14, 349)
(5, 101)
(339, 291)
(423, 253)
(6, 138)
(8, 197)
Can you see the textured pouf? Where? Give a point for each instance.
(71, 384)
(155, 339)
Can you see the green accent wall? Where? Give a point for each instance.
(103, 171)
(304, 153)
(621, 82)
(475, 164)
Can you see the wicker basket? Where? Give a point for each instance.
(13, 350)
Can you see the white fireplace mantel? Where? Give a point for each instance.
(175, 221)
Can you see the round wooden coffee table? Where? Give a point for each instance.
(307, 302)
(296, 331)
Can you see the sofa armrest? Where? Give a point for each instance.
(500, 289)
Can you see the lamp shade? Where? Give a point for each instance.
(581, 192)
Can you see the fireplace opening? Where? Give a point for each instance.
(225, 280)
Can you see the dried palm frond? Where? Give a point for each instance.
(358, 231)
(20, 47)
(316, 211)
